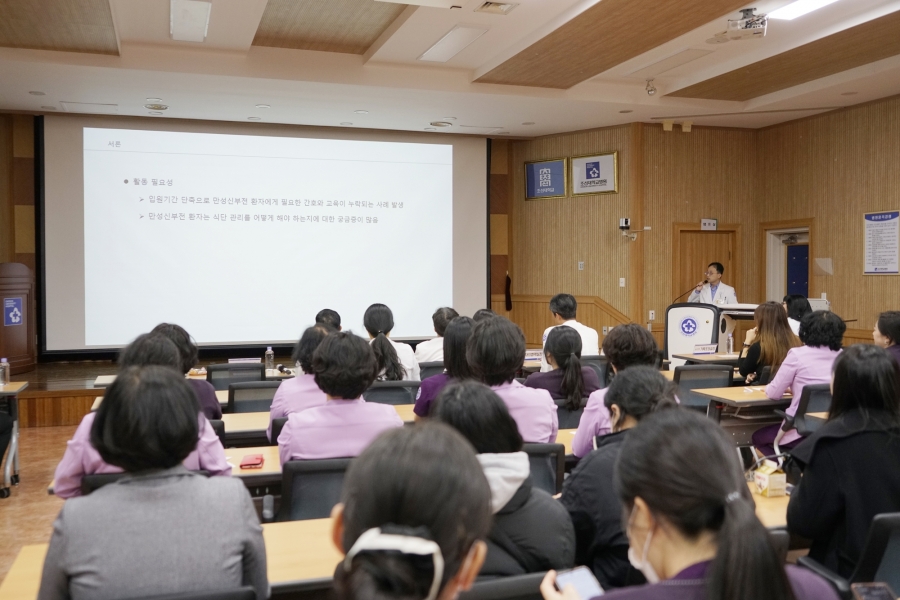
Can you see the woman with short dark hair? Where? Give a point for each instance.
(414, 509)
(851, 465)
(344, 366)
(456, 367)
(822, 333)
(300, 392)
(147, 426)
(396, 360)
(531, 531)
(82, 458)
(886, 333)
(693, 533)
(796, 306)
(433, 350)
(568, 382)
(189, 352)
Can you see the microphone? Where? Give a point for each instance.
(687, 292)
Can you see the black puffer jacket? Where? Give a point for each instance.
(532, 533)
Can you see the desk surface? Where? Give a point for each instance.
(715, 359)
(259, 421)
(11, 389)
(566, 437)
(271, 461)
(818, 415)
(742, 396)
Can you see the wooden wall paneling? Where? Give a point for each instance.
(22, 186)
(7, 212)
(51, 409)
(835, 167)
(858, 336)
(693, 250)
(532, 314)
(635, 281)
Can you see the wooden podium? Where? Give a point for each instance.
(18, 331)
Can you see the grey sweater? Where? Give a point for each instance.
(160, 533)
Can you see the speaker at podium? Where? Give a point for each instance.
(689, 324)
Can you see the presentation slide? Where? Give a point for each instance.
(230, 235)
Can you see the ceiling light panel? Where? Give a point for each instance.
(90, 108)
(430, 3)
(496, 8)
(453, 43)
(667, 64)
(798, 9)
(189, 20)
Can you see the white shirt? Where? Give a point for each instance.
(590, 341)
(795, 326)
(407, 359)
(430, 350)
(724, 295)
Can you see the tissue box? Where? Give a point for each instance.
(770, 480)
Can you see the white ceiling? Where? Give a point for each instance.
(225, 77)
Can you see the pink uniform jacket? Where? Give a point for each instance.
(533, 410)
(294, 395)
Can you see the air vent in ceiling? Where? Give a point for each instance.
(496, 8)
(90, 108)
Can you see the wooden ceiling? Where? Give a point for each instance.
(605, 35)
(847, 49)
(62, 25)
(347, 26)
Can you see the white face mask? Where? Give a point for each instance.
(642, 564)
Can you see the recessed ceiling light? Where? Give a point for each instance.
(154, 99)
(430, 129)
(528, 123)
(346, 123)
(37, 93)
(440, 124)
(263, 106)
(452, 43)
(625, 112)
(155, 112)
(361, 112)
(49, 107)
(849, 93)
(156, 106)
(254, 118)
(448, 118)
(798, 9)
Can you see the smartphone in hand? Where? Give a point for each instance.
(582, 580)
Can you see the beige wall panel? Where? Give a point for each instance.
(499, 157)
(23, 136)
(24, 216)
(835, 167)
(499, 234)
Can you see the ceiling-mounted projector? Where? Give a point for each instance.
(748, 26)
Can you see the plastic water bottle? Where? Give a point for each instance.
(4, 371)
(730, 344)
(270, 360)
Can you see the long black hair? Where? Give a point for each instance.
(639, 391)
(477, 412)
(564, 345)
(714, 500)
(423, 481)
(456, 335)
(495, 350)
(797, 306)
(867, 379)
(378, 321)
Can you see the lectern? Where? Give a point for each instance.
(17, 335)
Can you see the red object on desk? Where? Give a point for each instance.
(252, 461)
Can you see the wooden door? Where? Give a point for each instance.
(699, 248)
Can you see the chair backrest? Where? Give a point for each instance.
(880, 559)
(311, 488)
(218, 426)
(242, 593)
(427, 369)
(548, 466)
(600, 365)
(765, 375)
(814, 398)
(92, 483)
(277, 426)
(695, 377)
(251, 396)
(569, 419)
(781, 541)
(519, 587)
(392, 392)
(221, 376)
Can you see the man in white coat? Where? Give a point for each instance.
(563, 307)
(712, 290)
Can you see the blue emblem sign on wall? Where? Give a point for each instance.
(12, 312)
(688, 326)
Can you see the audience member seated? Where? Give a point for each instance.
(768, 343)
(693, 531)
(326, 316)
(588, 494)
(6, 429)
(887, 333)
(82, 458)
(563, 307)
(796, 306)
(483, 313)
(822, 332)
(851, 465)
(495, 353)
(301, 391)
(206, 393)
(433, 350)
(161, 529)
(456, 367)
(568, 383)
(532, 532)
(415, 509)
(396, 360)
(344, 367)
(626, 346)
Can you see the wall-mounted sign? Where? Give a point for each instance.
(882, 250)
(545, 179)
(595, 174)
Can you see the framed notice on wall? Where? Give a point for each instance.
(545, 179)
(882, 246)
(595, 174)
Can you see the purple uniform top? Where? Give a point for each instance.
(594, 421)
(294, 395)
(802, 366)
(552, 382)
(534, 411)
(206, 394)
(339, 429)
(81, 458)
(428, 392)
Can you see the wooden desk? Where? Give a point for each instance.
(772, 512)
(742, 396)
(221, 396)
(709, 359)
(818, 415)
(566, 437)
(736, 377)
